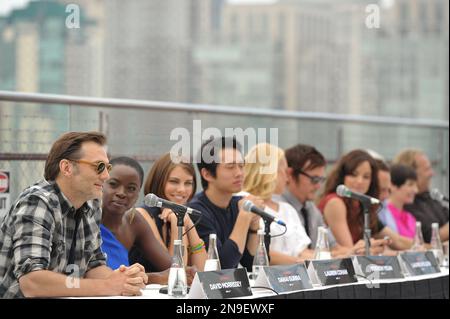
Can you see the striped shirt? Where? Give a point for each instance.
(37, 234)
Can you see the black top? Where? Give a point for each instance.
(154, 213)
(428, 211)
(220, 221)
(135, 254)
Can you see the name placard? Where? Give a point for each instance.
(332, 272)
(227, 283)
(420, 263)
(378, 267)
(284, 278)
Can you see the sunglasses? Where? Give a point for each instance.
(99, 166)
(314, 179)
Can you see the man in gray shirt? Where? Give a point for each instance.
(306, 173)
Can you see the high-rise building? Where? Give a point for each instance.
(45, 55)
(36, 36)
(406, 61)
(330, 60)
(39, 53)
(237, 74)
(147, 45)
(294, 42)
(307, 55)
(242, 63)
(85, 50)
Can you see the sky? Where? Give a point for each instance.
(7, 5)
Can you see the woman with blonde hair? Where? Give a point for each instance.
(265, 174)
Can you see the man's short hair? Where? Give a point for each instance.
(299, 155)
(209, 148)
(68, 146)
(408, 157)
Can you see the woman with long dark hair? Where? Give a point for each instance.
(358, 171)
(174, 181)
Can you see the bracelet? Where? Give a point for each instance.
(251, 231)
(197, 248)
(197, 251)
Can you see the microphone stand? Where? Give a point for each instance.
(367, 231)
(180, 222)
(267, 236)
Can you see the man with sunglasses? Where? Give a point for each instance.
(306, 173)
(50, 239)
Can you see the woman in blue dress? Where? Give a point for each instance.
(123, 228)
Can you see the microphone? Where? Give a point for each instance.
(437, 195)
(151, 200)
(344, 191)
(250, 207)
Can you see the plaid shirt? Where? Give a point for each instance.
(37, 234)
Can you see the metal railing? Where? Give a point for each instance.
(53, 99)
(30, 122)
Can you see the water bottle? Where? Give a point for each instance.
(436, 244)
(322, 247)
(177, 276)
(213, 261)
(261, 259)
(418, 239)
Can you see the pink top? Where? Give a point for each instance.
(406, 222)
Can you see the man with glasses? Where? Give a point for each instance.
(306, 173)
(50, 239)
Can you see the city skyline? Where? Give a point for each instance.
(6, 6)
(295, 55)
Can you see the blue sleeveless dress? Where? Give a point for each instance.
(116, 253)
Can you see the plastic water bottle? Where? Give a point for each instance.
(261, 259)
(177, 276)
(213, 261)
